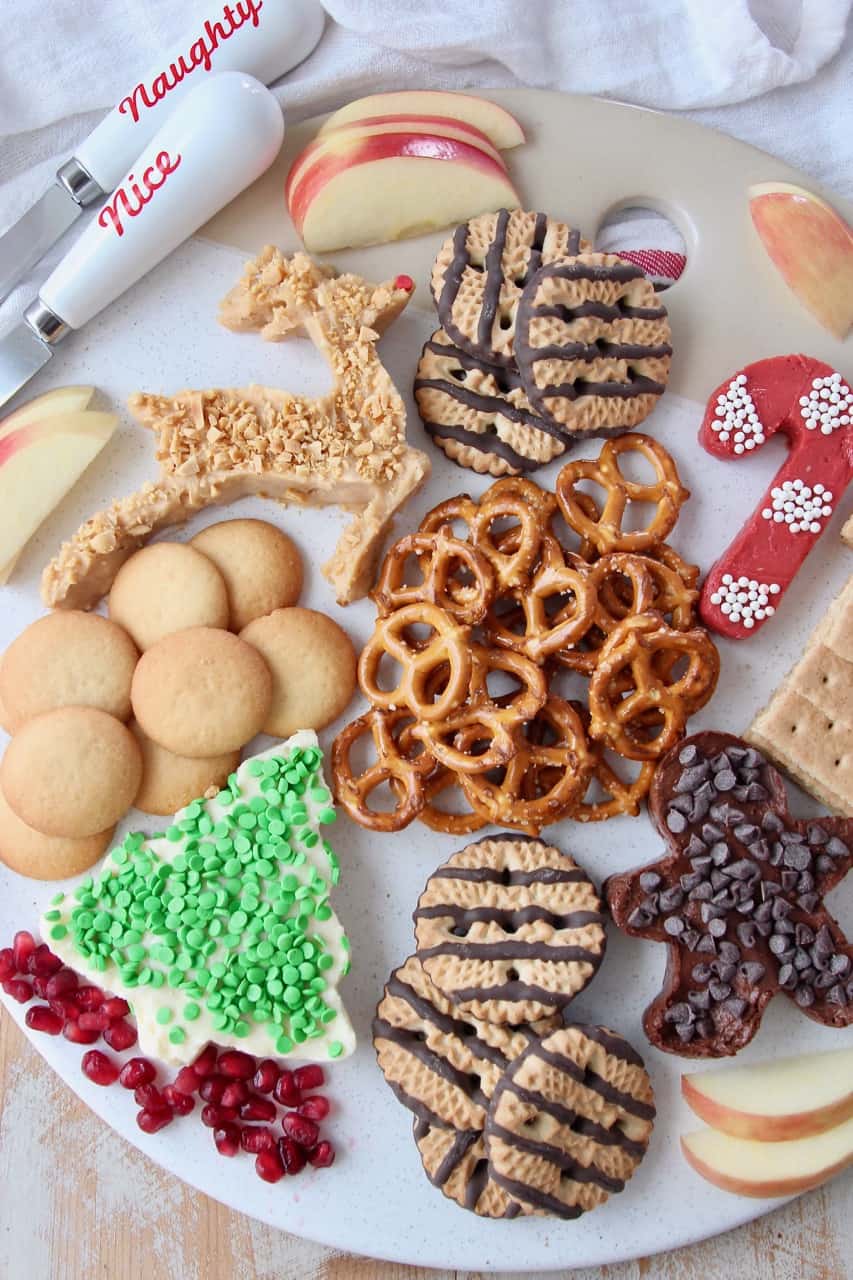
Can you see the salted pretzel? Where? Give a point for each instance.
(636, 595)
(619, 795)
(606, 532)
(552, 612)
(447, 647)
(617, 577)
(659, 700)
(441, 558)
(403, 772)
(444, 820)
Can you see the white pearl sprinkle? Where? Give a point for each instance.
(828, 405)
(799, 506)
(744, 601)
(735, 418)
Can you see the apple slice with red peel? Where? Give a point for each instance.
(498, 124)
(775, 1101)
(52, 404)
(390, 186)
(811, 246)
(766, 1169)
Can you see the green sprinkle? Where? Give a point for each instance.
(177, 1035)
(335, 1049)
(58, 932)
(191, 1012)
(53, 915)
(164, 1015)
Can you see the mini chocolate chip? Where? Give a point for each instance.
(702, 893)
(682, 804)
(816, 835)
(808, 975)
(726, 813)
(707, 945)
(710, 912)
(699, 1000)
(689, 938)
(770, 888)
(736, 754)
(788, 880)
(824, 941)
(840, 965)
(776, 854)
(837, 848)
(771, 822)
(824, 980)
(649, 880)
(639, 919)
(801, 959)
(835, 995)
(803, 935)
(764, 927)
(695, 846)
(719, 990)
(720, 761)
(784, 925)
(755, 793)
(704, 1027)
(747, 775)
(752, 971)
(690, 880)
(788, 978)
(798, 857)
(753, 759)
(735, 1006)
(671, 899)
(743, 869)
(702, 863)
(764, 911)
(805, 884)
(649, 904)
(820, 959)
(760, 849)
(724, 780)
(804, 997)
(823, 862)
(720, 853)
(701, 803)
(808, 901)
(729, 952)
(746, 906)
(726, 972)
(676, 822)
(693, 777)
(679, 1013)
(711, 832)
(701, 972)
(723, 899)
(781, 908)
(674, 925)
(746, 933)
(778, 944)
(684, 1032)
(740, 793)
(790, 837)
(719, 879)
(717, 928)
(688, 754)
(747, 832)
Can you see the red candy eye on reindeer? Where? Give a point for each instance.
(812, 405)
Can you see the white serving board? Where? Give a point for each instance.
(163, 336)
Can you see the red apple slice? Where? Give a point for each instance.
(50, 405)
(811, 246)
(498, 124)
(765, 1169)
(391, 186)
(341, 141)
(775, 1101)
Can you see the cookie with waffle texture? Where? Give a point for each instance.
(455, 1161)
(592, 342)
(569, 1121)
(510, 929)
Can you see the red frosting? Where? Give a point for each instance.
(773, 395)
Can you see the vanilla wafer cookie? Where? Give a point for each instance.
(592, 344)
(480, 271)
(455, 1161)
(509, 929)
(478, 413)
(569, 1121)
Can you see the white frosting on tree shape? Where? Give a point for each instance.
(745, 600)
(736, 418)
(799, 507)
(828, 406)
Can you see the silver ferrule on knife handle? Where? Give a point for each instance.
(79, 183)
(45, 324)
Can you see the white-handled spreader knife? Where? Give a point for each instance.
(264, 38)
(221, 137)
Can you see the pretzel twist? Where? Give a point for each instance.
(419, 661)
(440, 557)
(404, 773)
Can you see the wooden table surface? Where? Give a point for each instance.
(77, 1203)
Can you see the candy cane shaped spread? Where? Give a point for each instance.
(813, 406)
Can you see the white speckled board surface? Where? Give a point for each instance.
(163, 336)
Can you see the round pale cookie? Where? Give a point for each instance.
(313, 666)
(592, 343)
(68, 659)
(261, 566)
(171, 781)
(570, 1121)
(42, 857)
(201, 692)
(71, 772)
(167, 587)
(480, 271)
(479, 414)
(510, 929)
(7, 722)
(455, 1161)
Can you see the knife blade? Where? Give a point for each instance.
(264, 38)
(222, 136)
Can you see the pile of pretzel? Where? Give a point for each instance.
(516, 600)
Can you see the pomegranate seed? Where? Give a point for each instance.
(93, 1020)
(65, 1008)
(19, 989)
(255, 1138)
(98, 1068)
(404, 282)
(154, 1121)
(149, 1097)
(215, 1116)
(120, 1035)
(227, 1139)
(322, 1156)
(206, 1061)
(41, 1018)
(40, 986)
(302, 1130)
(314, 1108)
(213, 1087)
(44, 963)
(137, 1071)
(286, 1091)
(265, 1077)
(62, 984)
(183, 1103)
(310, 1077)
(268, 1166)
(186, 1081)
(291, 1155)
(237, 1065)
(23, 946)
(8, 968)
(258, 1109)
(78, 1035)
(235, 1093)
(90, 997)
(115, 1007)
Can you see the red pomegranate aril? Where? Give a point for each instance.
(79, 1035)
(314, 1108)
(44, 963)
(114, 1007)
(19, 989)
(237, 1065)
(136, 1072)
(98, 1068)
(322, 1156)
(300, 1129)
(40, 985)
(310, 1077)
(8, 968)
(212, 1088)
(93, 1020)
(149, 1097)
(227, 1139)
(65, 1007)
(235, 1093)
(153, 1121)
(291, 1155)
(205, 1063)
(258, 1109)
(268, 1166)
(264, 1079)
(286, 1091)
(89, 997)
(215, 1116)
(183, 1103)
(186, 1081)
(62, 984)
(42, 1018)
(255, 1138)
(120, 1035)
(23, 946)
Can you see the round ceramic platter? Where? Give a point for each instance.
(161, 337)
